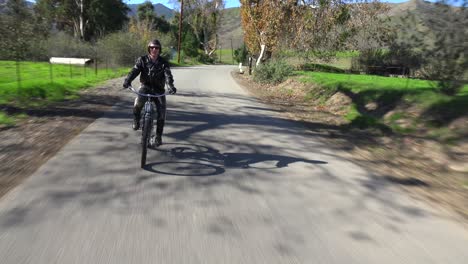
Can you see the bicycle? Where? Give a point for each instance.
(148, 132)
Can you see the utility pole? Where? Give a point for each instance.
(180, 28)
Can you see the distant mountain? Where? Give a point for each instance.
(4, 2)
(159, 9)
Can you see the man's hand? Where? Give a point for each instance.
(172, 90)
(126, 85)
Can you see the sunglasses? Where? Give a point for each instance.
(154, 47)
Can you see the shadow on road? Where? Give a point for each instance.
(218, 162)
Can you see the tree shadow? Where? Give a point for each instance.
(442, 113)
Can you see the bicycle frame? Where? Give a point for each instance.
(147, 124)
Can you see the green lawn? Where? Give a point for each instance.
(226, 56)
(41, 83)
(47, 82)
(357, 83)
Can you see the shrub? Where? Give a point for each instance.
(272, 72)
(320, 68)
(61, 44)
(398, 59)
(190, 45)
(240, 54)
(204, 58)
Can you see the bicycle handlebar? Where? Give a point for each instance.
(147, 95)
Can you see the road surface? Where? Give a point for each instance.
(234, 183)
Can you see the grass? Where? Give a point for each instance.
(347, 54)
(438, 109)
(44, 82)
(6, 120)
(226, 56)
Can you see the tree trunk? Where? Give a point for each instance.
(262, 51)
(81, 24)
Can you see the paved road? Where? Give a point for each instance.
(234, 183)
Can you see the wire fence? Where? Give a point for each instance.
(16, 73)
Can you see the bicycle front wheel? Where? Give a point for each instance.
(145, 136)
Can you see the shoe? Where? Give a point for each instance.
(158, 141)
(136, 123)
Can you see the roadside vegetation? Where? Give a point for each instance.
(403, 74)
(105, 32)
(56, 82)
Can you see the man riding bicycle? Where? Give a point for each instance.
(154, 73)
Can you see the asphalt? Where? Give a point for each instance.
(233, 183)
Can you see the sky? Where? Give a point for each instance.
(168, 3)
(229, 3)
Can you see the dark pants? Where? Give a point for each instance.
(160, 106)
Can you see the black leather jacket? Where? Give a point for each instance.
(152, 74)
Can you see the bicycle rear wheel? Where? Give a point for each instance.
(145, 136)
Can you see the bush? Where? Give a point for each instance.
(190, 45)
(320, 68)
(121, 48)
(396, 60)
(272, 72)
(61, 44)
(203, 58)
(240, 54)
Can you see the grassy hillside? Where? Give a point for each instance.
(230, 28)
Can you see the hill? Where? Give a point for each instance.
(230, 28)
(159, 9)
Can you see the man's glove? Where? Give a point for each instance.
(126, 84)
(172, 90)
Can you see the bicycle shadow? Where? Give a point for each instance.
(198, 160)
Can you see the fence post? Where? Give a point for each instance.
(51, 73)
(84, 70)
(232, 52)
(71, 73)
(18, 74)
(95, 66)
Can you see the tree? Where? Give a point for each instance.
(262, 21)
(439, 34)
(311, 26)
(203, 16)
(145, 11)
(86, 19)
(147, 16)
(16, 31)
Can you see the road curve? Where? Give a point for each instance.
(234, 183)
